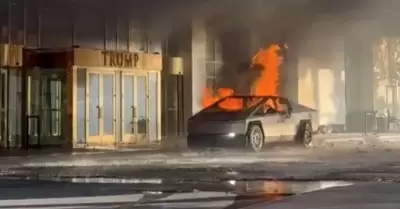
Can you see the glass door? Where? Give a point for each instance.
(107, 109)
(52, 114)
(134, 108)
(128, 109)
(100, 108)
(94, 111)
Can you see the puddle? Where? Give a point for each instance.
(240, 187)
(283, 187)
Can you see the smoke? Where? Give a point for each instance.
(294, 22)
(277, 22)
(235, 73)
(267, 18)
(238, 77)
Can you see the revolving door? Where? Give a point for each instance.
(46, 109)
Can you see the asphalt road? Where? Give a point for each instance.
(150, 179)
(52, 195)
(279, 161)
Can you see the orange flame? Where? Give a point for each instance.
(209, 97)
(268, 60)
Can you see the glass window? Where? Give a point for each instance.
(210, 67)
(211, 83)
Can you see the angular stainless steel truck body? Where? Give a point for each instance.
(227, 121)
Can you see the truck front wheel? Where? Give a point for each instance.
(255, 138)
(305, 134)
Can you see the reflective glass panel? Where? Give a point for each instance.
(141, 104)
(153, 77)
(94, 94)
(108, 104)
(128, 104)
(81, 105)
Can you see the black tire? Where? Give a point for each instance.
(305, 134)
(255, 137)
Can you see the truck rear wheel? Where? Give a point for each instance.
(305, 134)
(255, 138)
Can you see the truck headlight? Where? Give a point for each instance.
(231, 135)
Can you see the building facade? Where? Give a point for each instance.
(337, 61)
(90, 73)
(102, 73)
(79, 74)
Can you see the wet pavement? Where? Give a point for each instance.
(46, 194)
(283, 161)
(217, 178)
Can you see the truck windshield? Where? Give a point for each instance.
(234, 104)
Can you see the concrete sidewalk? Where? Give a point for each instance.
(180, 154)
(374, 140)
(166, 146)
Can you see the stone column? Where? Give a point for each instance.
(359, 88)
(195, 81)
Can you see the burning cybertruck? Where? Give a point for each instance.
(251, 122)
